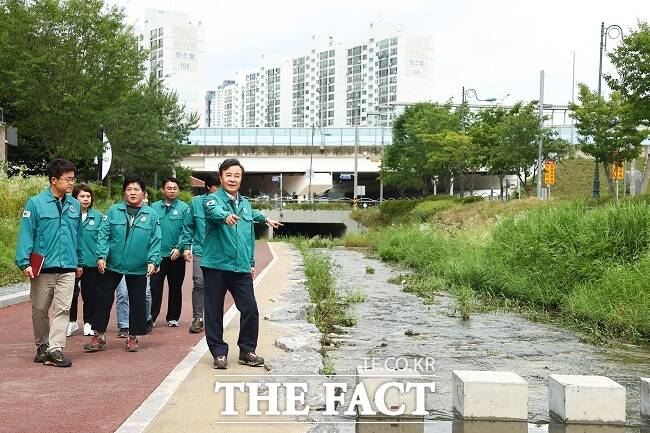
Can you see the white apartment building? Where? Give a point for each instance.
(177, 55)
(337, 85)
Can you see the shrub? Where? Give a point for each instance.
(427, 209)
(397, 208)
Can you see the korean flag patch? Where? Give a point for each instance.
(26, 214)
(143, 219)
(91, 222)
(210, 202)
(175, 212)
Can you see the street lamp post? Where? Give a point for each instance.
(465, 96)
(605, 32)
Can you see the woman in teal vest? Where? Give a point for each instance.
(128, 245)
(87, 284)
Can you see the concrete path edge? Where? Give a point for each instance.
(138, 421)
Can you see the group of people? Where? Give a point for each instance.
(67, 247)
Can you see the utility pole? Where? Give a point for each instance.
(356, 156)
(539, 140)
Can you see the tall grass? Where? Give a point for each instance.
(585, 266)
(14, 192)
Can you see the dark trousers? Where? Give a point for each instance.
(216, 282)
(88, 284)
(175, 273)
(136, 285)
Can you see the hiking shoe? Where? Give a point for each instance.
(88, 329)
(57, 359)
(72, 327)
(172, 323)
(221, 362)
(250, 358)
(197, 326)
(41, 351)
(132, 344)
(123, 333)
(149, 326)
(96, 344)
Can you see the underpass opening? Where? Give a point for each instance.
(335, 230)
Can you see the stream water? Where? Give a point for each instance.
(393, 324)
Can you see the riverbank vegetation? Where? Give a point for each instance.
(581, 263)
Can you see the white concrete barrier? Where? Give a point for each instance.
(489, 395)
(586, 399)
(467, 426)
(645, 397)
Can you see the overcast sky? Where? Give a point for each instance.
(494, 46)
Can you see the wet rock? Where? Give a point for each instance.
(296, 343)
(411, 333)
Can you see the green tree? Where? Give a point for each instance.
(518, 133)
(608, 129)
(67, 65)
(405, 163)
(483, 130)
(454, 155)
(632, 61)
(148, 130)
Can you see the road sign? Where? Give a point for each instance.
(618, 172)
(275, 178)
(345, 176)
(361, 190)
(549, 173)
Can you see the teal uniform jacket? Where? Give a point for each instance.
(89, 233)
(226, 247)
(172, 220)
(194, 231)
(51, 230)
(128, 252)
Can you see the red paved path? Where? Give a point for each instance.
(100, 390)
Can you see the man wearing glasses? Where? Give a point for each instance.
(49, 237)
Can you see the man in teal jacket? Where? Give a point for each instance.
(228, 263)
(128, 246)
(50, 227)
(194, 235)
(174, 214)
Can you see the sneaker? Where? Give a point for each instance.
(57, 359)
(250, 358)
(172, 323)
(221, 362)
(96, 344)
(123, 333)
(132, 344)
(41, 351)
(149, 326)
(88, 329)
(197, 326)
(72, 326)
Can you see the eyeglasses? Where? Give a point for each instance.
(69, 179)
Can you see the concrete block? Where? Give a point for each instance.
(386, 425)
(467, 426)
(489, 395)
(373, 378)
(586, 399)
(645, 397)
(586, 428)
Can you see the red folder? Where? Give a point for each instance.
(36, 262)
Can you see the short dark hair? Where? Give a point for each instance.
(133, 179)
(211, 180)
(57, 167)
(85, 188)
(230, 162)
(170, 179)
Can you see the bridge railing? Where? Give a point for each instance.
(298, 137)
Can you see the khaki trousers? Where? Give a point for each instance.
(53, 290)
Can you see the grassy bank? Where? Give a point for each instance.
(578, 263)
(328, 308)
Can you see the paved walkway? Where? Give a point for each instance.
(194, 406)
(102, 389)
